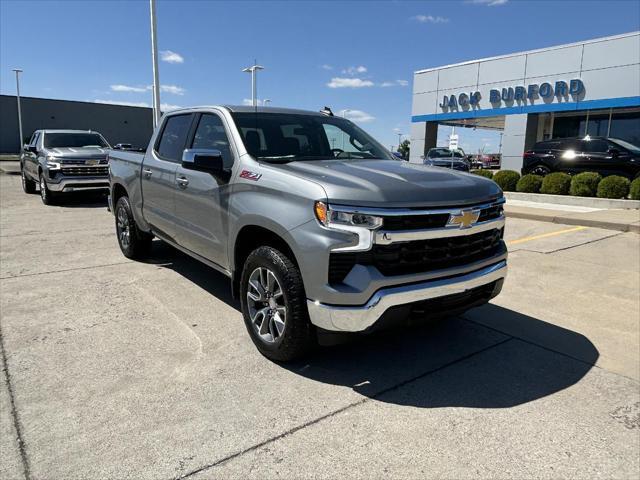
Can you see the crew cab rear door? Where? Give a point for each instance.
(158, 176)
(202, 197)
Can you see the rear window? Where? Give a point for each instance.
(174, 137)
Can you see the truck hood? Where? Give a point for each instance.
(78, 152)
(390, 183)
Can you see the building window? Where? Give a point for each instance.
(626, 126)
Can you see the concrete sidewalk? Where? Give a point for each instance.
(611, 219)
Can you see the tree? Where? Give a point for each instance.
(404, 148)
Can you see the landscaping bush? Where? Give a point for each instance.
(557, 183)
(507, 179)
(585, 184)
(634, 191)
(613, 187)
(529, 184)
(483, 173)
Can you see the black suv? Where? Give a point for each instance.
(607, 156)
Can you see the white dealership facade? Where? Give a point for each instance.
(590, 87)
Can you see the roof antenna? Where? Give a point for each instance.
(326, 111)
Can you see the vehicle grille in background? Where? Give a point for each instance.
(99, 170)
(418, 256)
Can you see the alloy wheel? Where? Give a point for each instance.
(265, 302)
(43, 188)
(124, 228)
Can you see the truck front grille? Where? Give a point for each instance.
(419, 256)
(98, 170)
(434, 220)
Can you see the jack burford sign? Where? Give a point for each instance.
(520, 94)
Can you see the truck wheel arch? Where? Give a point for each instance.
(248, 239)
(117, 191)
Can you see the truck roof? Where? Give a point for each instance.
(60, 130)
(250, 109)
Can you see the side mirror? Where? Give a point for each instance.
(31, 148)
(203, 159)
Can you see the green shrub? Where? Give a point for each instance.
(529, 184)
(507, 179)
(613, 187)
(483, 173)
(556, 183)
(585, 184)
(634, 191)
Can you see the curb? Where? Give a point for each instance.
(620, 227)
(591, 202)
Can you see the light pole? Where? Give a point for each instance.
(18, 72)
(154, 58)
(254, 87)
(344, 112)
(399, 139)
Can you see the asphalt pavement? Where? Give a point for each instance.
(116, 369)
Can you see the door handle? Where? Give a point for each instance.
(147, 172)
(182, 182)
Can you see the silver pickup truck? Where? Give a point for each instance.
(64, 161)
(317, 225)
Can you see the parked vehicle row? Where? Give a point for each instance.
(318, 227)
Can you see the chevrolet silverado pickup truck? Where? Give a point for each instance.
(64, 161)
(319, 228)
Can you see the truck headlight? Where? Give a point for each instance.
(361, 224)
(53, 163)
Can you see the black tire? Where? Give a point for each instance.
(28, 185)
(46, 195)
(133, 243)
(298, 337)
(540, 169)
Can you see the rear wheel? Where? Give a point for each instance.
(28, 185)
(47, 196)
(133, 243)
(540, 170)
(274, 306)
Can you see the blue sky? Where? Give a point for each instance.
(358, 56)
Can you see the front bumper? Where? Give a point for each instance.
(75, 184)
(359, 318)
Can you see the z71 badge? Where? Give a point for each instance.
(250, 175)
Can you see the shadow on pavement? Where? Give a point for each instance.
(453, 362)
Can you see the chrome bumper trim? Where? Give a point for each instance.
(383, 237)
(79, 184)
(359, 318)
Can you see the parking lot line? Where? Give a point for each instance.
(545, 235)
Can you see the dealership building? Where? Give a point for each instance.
(584, 88)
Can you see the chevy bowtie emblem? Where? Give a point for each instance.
(464, 219)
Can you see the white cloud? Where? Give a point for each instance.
(127, 88)
(431, 18)
(248, 102)
(326, 67)
(165, 107)
(355, 70)
(358, 116)
(171, 57)
(126, 104)
(338, 82)
(490, 3)
(173, 89)
(395, 83)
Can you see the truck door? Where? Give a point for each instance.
(31, 159)
(202, 198)
(159, 175)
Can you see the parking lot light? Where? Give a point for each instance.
(21, 142)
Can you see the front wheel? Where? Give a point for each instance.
(133, 243)
(46, 195)
(274, 306)
(541, 170)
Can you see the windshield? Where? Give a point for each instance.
(285, 137)
(61, 140)
(629, 146)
